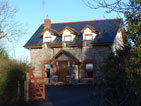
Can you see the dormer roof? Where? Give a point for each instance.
(107, 29)
(72, 30)
(90, 27)
(52, 31)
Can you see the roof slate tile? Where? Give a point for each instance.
(107, 29)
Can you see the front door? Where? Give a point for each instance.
(63, 71)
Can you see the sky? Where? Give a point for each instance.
(31, 13)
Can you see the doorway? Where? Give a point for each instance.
(62, 71)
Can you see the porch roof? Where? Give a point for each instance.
(67, 54)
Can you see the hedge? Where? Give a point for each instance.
(11, 76)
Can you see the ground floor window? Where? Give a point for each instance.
(70, 67)
(47, 70)
(89, 68)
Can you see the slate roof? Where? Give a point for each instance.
(107, 29)
(77, 40)
(73, 29)
(57, 41)
(54, 31)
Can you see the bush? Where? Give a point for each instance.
(113, 81)
(11, 73)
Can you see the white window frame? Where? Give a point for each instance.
(88, 37)
(48, 40)
(66, 37)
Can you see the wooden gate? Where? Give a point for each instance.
(36, 86)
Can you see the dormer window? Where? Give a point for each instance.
(88, 39)
(89, 34)
(67, 44)
(47, 39)
(88, 43)
(49, 36)
(68, 35)
(67, 40)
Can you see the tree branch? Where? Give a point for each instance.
(117, 5)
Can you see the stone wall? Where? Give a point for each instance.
(97, 53)
(76, 52)
(37, 56)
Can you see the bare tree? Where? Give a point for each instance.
(9, 28)
(120, 6)
(131, 10)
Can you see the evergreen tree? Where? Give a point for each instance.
(121, 73)
(133, 19)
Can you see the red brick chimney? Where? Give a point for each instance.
(47, 23)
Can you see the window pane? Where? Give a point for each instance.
(62, 66)
(88, 43)
(68, 64)
(88, 37)
(89, 70)
(56, 64)
(89, 67)
(48, 39)
(47, 66)
(47, 44)
(67, 38)
(69, 67)
(67, 44)
(89, 74)
(47, 74)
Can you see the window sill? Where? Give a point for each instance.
(47, 78)
(88, 78)
(87, 47)
(67, 48)
(55, 76)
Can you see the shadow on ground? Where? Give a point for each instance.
(67, 95)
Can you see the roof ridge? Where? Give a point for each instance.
(88, 20)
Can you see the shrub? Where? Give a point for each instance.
(113, 81)
(11, 73)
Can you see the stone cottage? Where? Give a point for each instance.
(71, 52)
